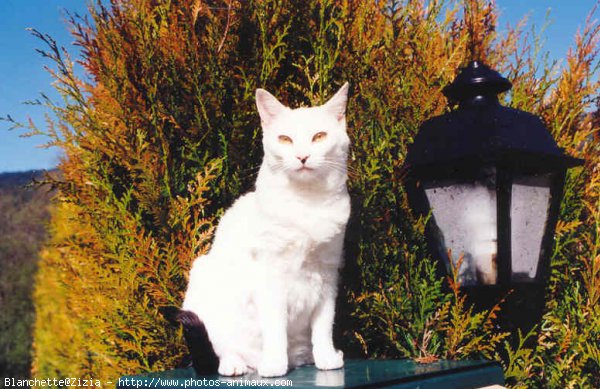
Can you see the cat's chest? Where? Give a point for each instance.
(305, 222)
(304, 289)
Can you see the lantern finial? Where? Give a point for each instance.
(476, 79)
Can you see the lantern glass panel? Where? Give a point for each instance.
(530, 200)
(466, 216)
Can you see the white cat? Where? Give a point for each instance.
(266, 290)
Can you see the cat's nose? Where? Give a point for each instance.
(303, 159)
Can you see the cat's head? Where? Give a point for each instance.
(305, 144)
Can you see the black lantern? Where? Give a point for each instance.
(491, 180)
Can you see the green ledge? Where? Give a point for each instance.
(399, 374)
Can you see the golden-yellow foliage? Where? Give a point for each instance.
(169, 93)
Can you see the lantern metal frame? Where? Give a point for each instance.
(483, 140)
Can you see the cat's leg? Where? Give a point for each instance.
(213, 293)
(300, 355)
(325, 355)
(272, 316)
(227, 341)
(299, 345)
(232, 365)
(230, 341)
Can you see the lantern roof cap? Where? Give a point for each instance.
(481, 131)
(476, 79)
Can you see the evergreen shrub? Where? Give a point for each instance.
(161, 134)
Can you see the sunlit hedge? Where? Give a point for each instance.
(161, 134)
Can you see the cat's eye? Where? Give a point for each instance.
(285, 139)
(319, 136)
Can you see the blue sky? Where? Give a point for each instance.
(22, 75)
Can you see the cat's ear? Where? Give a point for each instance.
(268, 106)
(337, 104)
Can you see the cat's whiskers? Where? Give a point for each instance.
(279, 167)
(340, 167)
(249, 172)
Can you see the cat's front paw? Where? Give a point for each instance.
(273, 367)
(329, 359)
(232, 365)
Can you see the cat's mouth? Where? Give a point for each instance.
(305, 169)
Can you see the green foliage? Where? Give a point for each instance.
(566, 355)
(169, 93)
(421, 321)
(23, 214)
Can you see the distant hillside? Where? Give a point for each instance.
(19, 179)
(23, 217)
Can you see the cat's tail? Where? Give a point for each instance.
(204, 359)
